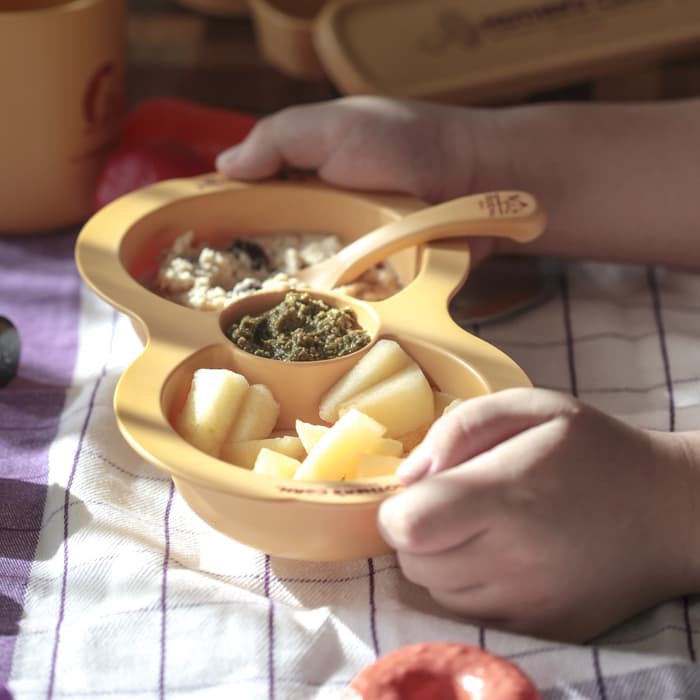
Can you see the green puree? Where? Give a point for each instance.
(301, 329)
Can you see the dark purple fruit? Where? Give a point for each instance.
(9, 351)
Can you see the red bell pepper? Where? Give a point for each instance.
(168, 137)
(206, 130)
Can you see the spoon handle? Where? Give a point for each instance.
(503, 214)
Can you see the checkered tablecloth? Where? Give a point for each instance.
(111, 588)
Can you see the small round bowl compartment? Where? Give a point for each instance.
(297, 386)
(248, 211)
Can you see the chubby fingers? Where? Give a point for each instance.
(443, 534)
(479, 425)
(293, 137)
(475, 488)
(440, 513)
(359, 142)
(464, 579)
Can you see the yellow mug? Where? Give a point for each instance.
(62, 79)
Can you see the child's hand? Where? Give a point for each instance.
(368, 143)
(532, 512)
(377, 144)
(566, 155)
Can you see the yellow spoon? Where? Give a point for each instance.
(509, 214)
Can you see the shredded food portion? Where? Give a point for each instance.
(200, 277)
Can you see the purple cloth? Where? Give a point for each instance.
(40, 294)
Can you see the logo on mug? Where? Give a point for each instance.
(103, 99)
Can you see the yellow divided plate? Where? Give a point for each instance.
(120, 246)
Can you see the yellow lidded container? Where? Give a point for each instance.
(470, 50)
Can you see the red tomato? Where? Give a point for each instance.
(441, 671)
(132, 167)
(205, 130)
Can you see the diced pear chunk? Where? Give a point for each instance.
(310, 434)
(271, 463)
(372, 466)
(335, 455)
(211, 407)
(257, 415)
(382, 360)
(402, 403)
(243, 454)
(388, 447)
